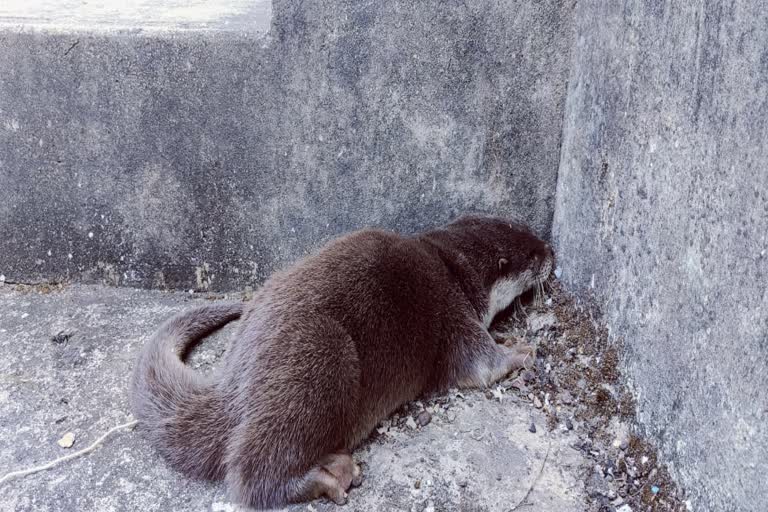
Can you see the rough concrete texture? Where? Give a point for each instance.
(207, 158)
(67, 358)
(662, 212)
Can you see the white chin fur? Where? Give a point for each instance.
(502, 294)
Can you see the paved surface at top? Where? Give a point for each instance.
(246, 15)
(66, 360)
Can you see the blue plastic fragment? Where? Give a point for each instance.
(655, 489)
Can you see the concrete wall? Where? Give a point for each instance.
(208, 154)
(662, 213)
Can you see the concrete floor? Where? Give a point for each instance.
(477, 453)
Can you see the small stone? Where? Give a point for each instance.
(417, 484)
(532, 428)
(558, 272)
(411, 423)
(539, 322)
(61, 337)
(597, 486)
(624, 508)
(624, 445)
(423, 418)
(568, 424)
(536, 402)
(67, 440)
(451, 416)
(565, 397)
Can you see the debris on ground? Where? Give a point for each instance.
(576, 381)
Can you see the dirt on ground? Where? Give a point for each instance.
(577, 382)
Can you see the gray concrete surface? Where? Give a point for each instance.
(205, 152)
(476, 454)
(662, 213)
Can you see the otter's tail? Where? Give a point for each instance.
(179, 409)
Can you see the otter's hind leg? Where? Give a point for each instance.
(343, 467)
(316, 483)
(332, 478)
(483, 361)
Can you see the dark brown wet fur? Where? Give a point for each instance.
(327, 349)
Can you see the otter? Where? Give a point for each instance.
(328, 348)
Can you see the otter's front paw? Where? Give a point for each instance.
(522, 355)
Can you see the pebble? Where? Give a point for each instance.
(423, 418)
(411, 423)
(451, 416)
(568, 424)
(566, 397)
(538, 322)
(624, 445)
(528, 376)
(67, 440)
(597, 486)
(532, 428)
(624, 508)
(417, 484)
(536, 402)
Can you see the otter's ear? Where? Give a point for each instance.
(502, 262)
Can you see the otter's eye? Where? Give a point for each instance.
(502, 263)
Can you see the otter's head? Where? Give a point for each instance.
(509, 258)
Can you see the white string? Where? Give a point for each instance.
(49, 465)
